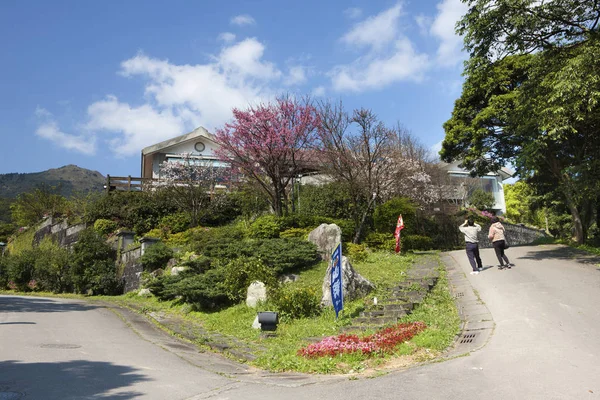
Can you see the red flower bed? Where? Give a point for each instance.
(384, 340)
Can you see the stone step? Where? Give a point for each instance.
(384, 313)
(406, 306)
(380, 321)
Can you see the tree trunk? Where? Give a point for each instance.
(361, 225)
(579, 236)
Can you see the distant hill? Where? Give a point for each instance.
(70, 178)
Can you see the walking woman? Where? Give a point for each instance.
(498, 238)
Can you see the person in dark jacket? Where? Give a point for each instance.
(470, 229)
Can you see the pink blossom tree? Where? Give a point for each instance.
(268, 143)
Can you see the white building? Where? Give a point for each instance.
(199, 143)
(463, 185)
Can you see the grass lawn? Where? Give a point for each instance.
(279, 353)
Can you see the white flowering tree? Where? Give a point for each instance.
(196, 185)
(375, 162)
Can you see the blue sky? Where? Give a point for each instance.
(93, 82)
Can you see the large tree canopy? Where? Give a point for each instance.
(532, 97)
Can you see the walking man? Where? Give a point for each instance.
(470, 229)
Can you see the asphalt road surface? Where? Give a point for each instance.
(545, 345)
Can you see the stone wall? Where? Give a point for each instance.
(131, 269)
(65, 235)
(516, 235)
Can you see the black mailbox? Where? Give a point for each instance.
(268, 320)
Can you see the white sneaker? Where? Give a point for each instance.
(474, 272)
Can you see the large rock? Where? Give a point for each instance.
(257, 291)
(354, 284)
(326, 237)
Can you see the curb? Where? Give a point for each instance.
(477, 321)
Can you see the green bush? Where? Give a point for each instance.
(356, 252)
(416, 242)
(265, 227)
(52, 269)
(105, 226)
(295, 302)
(380, 241)
(205, 291)
(283, 255)
(298, 233)
(156, 256)
(93, 265)
(481, 200)
(208, 240)
(241, 272)
(330, 200)
(386, 215)
(21, 268)
(175, 223)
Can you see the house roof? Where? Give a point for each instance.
(196, 133)
(503, 172)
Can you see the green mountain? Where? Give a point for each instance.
(69, 179)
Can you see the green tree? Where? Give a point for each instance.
(540, 111)
(482, 200)
(93, 267)
(31, 207)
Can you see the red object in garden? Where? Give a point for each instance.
(399, 227)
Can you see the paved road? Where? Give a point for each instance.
(545, 346)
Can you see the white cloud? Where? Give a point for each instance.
(319, 91)
(226, 37)
(180, 98)
(402, 64)
(443, 27)
(424, 23)
(296, 76)
(390, 56)
(353, 12)
(242, 20)
(436, 148)
(48, 129)
(375, 31)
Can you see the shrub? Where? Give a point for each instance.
(105, 226)
(265, 227)
(330, 200)
(298, 233)
(295, 302)
(93, 265)
(385, 216)
(416, 242)
(357, 252)
(205, 291)
(283, 255)
(241, 272)
(203, 239)
(156, 256)
(175, 223)
(52, 270)
(197, 264)
(20, 269)
(379, 241)
(482, 200)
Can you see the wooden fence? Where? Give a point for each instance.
(126, 183)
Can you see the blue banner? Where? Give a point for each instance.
(337, 293)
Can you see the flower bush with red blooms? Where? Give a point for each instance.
(383, 341)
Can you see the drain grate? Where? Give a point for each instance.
(459, 294)
(468, 338)
(60, 346)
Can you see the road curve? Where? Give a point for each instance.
(544, 345)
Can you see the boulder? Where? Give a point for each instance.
(257, 291)
(144, 293)
(326, 237)
(289, 278)
(177, 270)
(256, 324)
(354, 285)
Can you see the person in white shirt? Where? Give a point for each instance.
(470, 229)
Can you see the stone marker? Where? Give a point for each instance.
(326, 237)
(177, 270)
(354, 284)
(256, 324)
(257, 291)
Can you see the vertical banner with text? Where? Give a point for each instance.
(337, 295)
